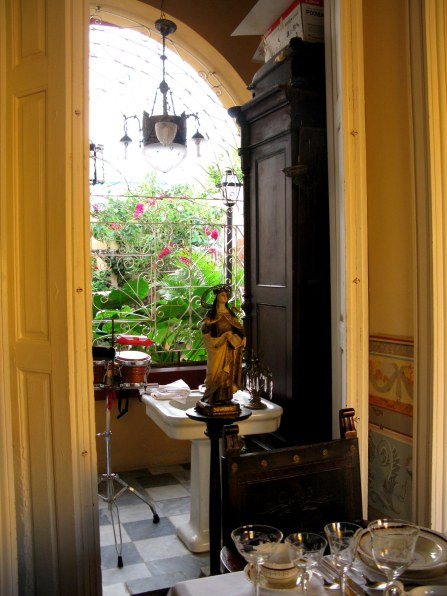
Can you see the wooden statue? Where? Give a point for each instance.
(224, 339)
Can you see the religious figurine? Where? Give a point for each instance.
(224, 338)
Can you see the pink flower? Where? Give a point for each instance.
(139, 209)
(212, 250)
(214, 234)
(95, 207)
(150, 201)
(206, 230)
(161, 195)
(164, 252)
(115, 226)
(185, 260)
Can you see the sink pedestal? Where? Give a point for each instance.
(195, 534)
(171, 417)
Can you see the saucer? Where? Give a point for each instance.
(266, 586)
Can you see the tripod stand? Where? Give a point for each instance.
(110, 480)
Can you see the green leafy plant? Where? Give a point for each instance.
(156, 254)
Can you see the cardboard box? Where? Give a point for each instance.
(303, 18)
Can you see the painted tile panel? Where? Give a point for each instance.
(390, 446)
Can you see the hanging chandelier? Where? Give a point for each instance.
(164, 135)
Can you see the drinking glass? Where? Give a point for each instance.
(256, 543)
(342, 538)
(307, 549)
(393, 543)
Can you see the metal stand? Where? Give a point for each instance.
(110, 497)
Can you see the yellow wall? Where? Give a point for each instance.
(137, 442)
(389, 168)
(391, 257)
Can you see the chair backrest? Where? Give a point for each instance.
(294, 488)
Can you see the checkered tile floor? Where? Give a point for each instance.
(153, 557)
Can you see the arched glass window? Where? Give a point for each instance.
(159, 239)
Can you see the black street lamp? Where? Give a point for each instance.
(230, 187)
(96, 164)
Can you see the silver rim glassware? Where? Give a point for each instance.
(307, 550)
(393, 544)
(256, 543)
(342, 538)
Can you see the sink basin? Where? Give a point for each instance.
(170, 415)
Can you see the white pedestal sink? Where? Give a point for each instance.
(171, 417)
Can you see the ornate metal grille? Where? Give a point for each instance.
(152, 259)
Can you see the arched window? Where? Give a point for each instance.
(159, 239)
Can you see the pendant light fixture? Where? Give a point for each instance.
(164, 135)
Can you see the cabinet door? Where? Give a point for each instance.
(289, 284)
(271, 262)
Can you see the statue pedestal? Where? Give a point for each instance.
(214, 431)
(223, 409)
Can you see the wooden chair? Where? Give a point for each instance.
(293, 488)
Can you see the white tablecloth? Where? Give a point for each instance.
(235, 584)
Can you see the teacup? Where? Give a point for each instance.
(280, 571)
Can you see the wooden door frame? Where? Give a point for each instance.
(347, 192)
(431, 417)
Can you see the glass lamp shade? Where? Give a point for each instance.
(159, 156)
(165, 131)
(164, 157)
(230, 187)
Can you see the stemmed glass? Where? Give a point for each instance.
(256, 543)
(307, 549)
(393, 543)
(342, 538)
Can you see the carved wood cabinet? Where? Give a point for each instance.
(287, 272)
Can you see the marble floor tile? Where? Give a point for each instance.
(129, 553)
(137, 512)
(174, 506)
(106, 536)
(154, 557)
(157, 480)
(115, 590)
(161, 493)
(161, 548)
(179, 520)
(140, 530)
(117, 575)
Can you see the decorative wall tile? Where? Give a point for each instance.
(389, 474)
(391, 393)
(391, 372)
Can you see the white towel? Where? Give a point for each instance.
(177, 390)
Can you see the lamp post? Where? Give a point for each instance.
(96, 164)
(230, 187)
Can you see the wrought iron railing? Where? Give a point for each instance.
(152, 260)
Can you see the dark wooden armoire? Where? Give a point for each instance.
(287, 300)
